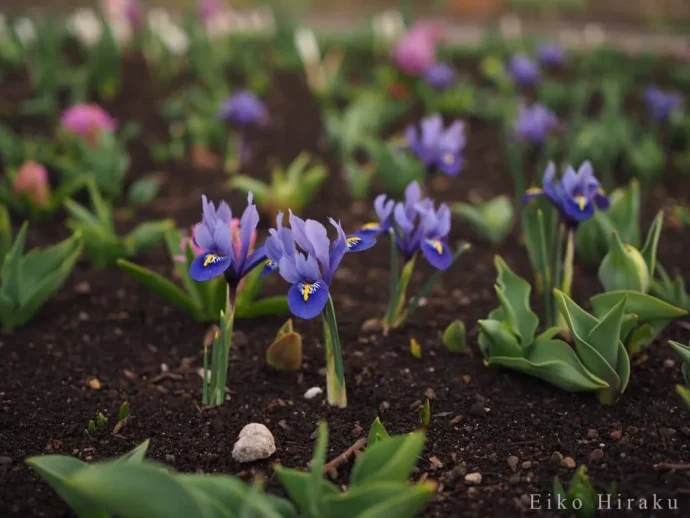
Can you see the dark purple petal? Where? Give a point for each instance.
(437, 252)
(306, 300)
(207, 266)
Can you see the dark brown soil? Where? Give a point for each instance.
(102, 325)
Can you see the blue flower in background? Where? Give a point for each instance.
(243, 109)
(440, 76)
(661, 103)
(551, 54)
(534, 123)
(575, 195)
(437, 146)
(220, 256)
(524, 70)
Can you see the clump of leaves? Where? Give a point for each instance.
(28, 281)
(580, 499)
(491, 219)
(285, 353)
(455, 337)
(293, 188)
(683, 352)
(671, 290)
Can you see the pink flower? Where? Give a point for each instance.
(87, 121)
(128, 10)
(32, 181)
(236, 242)
(209, 9)
(416, 51)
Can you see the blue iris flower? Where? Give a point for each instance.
(660, 103)
(307, 259)
(214, 236)
(417, 226)
(575, 195)
(437, 146)
(534, 123)
(243, 109)
(440, 76)
(551, 54)
(524, 70)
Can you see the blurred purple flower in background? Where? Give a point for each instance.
(244, 109)
(551, 54)
(437, 146)
(534, 123)
(416, 51)
(440, 76)
(523, 70)
(660, 103)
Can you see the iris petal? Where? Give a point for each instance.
(269, 267)
(437, 252)
(208, 265)
(360, 241)
(307, 299)
(450, 163)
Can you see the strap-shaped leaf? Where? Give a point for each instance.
(38, 264)
(298, 483)
(161, 286)
(387, 498)
(377, 433)
(136, 455)
(276, 305)
(684, 392)
(683, 351)
(11, 273)
(56, 471)
(646, 307)
(389, 460)
(500, 339)
(605, 337)
(517, 291)
(405, 505)
(652, 243)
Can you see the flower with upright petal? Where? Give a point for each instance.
(416, 51)
(87, 121)
(575, 195)
(435, 226)
(384, 209)
(660, 103)
(534, 123)
(307, 259)
(32, 181)
(524, 70)
(440, 76)
(243, 109)
(222, 252)
(437, 146)
(551, 54)
(236, 242)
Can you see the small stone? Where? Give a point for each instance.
(457, 419)
(526, 465)
(454, 474)
(514, 479)
(5, 461)
(169, 458)
(616, 435)
(556, 458)
(477, 409)
(313, 392)
(513, 462)
(592, 434)
(473, 479)
(357, 431)
(435, 463)
(371, 326)
(95, 384)
(669, 363)
(569, 463)
(82, 288)
(254, 442)
(596, 454)
(430, 394)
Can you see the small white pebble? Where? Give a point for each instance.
(313, 392)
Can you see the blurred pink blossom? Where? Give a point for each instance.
(236, 242)
(32, 181)
(416, 51)
(128, 10)
(87, 121)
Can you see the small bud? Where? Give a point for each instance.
(454, 337)
(124, 411)
(91, 428)
(425, 414)
(101, 421)
(285, 354)
(32, 181)
(415, 348)
(624, 268)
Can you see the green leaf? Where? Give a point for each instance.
(379, 499)
(144, 189)
(623, 268)
(11, 273)
(516, 291)
(684, 392)
(646, 307)
(455, 337)
(136, 455)
(276, 305)
(147, 236)
(499, 339)
(377, 433)
(285, 353)
(56, 470)
(652, 243)
(389, 460)
(405, 505)
(40, 264)
(261, 190)
(5, 234)
(605, 336)
(491, 219)
(299, 487)
(161, 286)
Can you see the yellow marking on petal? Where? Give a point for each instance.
(534, 190)
(448, 158)
(371, 226)
(352, 241)
(210, 259)
(581, 202)
(306, 291)
(436, 245)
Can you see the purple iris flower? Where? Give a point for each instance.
(534, 123)
(214, 236)
(438, 146)
(440, 76)
(661, 103)
(551, 54)
(243, 109)
(307, 259)
(417, 226)
(574, 195)
(524, 70)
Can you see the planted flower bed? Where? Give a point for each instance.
(359, 275)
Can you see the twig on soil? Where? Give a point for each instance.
(671, 466)
(332, 467)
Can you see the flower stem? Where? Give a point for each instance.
(214, 393)
(394, 283)
(568, 263)
(335, 373)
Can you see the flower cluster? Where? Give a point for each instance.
(575, 195)
(437, 146)
(551, 54)
(243, 109)
(523, 70)
(534, 123)
(417, 225)
(661, 103)
(307, 259)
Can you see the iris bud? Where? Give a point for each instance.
(624, 268)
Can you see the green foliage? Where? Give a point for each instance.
(394, 169)
(214, 380)
(293, 188)
(580, 491)
(131, 487)
(646, 158)
(203, 301)
(623, 217)
(425, 414)
(670, 290)
(28, 281)
(683, 352)
(285, 353)
(507, 339)
(455, 337)
(102, 244)
(377, 433)
(378, 483)
(492, 219)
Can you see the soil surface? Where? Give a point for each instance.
(103, 326)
